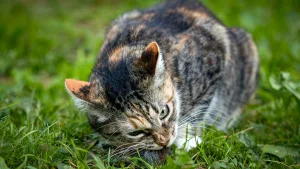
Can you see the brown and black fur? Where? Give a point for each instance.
(213, 68)
(193, 55)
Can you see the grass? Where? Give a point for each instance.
(44, 42)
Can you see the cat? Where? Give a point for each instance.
(163, 71)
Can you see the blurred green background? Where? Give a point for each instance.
(43, 42)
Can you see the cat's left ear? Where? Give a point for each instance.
(78, 89)
(151, 60)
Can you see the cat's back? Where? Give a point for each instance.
(206, 59)
(163, 22)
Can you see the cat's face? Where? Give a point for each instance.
(133, 102)
(149, 122)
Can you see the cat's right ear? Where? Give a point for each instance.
(78, 89)
(151, 60)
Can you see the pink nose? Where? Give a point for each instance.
(161, 139)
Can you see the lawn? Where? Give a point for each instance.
(43, 42)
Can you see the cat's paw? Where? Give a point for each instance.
(188, 144)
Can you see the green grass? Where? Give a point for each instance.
(44, 42)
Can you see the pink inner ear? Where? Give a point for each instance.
(149, 57)
(75, 85)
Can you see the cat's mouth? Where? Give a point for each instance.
(155, 156)
(146, 148)
(155, 147)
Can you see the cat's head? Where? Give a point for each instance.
(130, 98)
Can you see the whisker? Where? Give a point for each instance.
(192, 116)
(214, 112)
(195, 116)
(111, 123)
(202, 119)
(183, 135)
(201, 110)
(126, 144)
(127, 149)
(137, 144)
(201, 124)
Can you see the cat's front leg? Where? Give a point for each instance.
(185, 139)
(188, 144)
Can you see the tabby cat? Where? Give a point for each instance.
(163, 72)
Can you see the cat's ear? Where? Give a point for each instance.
(78, 89)
(151, 59)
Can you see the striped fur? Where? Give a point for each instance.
(204, 71)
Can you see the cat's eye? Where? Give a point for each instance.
(136, 133)
(164, 112)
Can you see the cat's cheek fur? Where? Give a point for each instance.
(177, 110)
(173, 138)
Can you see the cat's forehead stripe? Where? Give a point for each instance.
(133, 123)
(139, 123)
(137, 107)
(115, 55)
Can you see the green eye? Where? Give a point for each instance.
(164, 113)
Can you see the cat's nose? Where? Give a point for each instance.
(162, 140)
(163, 143)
